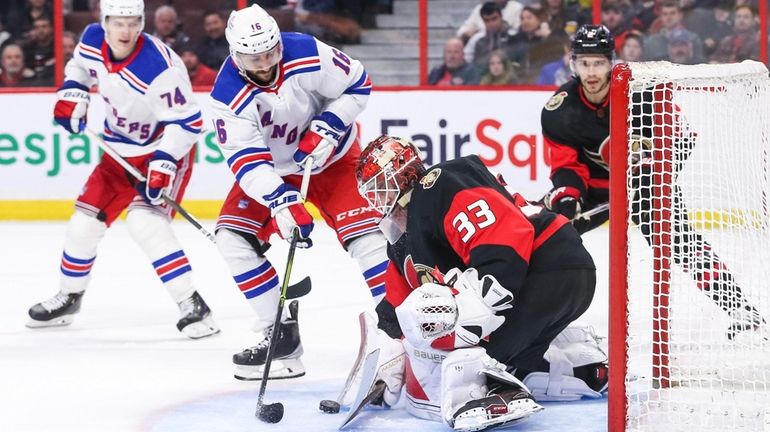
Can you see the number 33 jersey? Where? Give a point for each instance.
(460, 216)
(148, 96)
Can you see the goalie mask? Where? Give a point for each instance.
(387, 171)
(255, 44)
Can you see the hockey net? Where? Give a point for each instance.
(690, 248)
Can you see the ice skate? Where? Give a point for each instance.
(249, 364)
(501, 407)
(196, 321)
(56, 311)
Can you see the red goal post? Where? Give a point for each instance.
(688, 212)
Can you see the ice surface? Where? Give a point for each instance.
(123, 366)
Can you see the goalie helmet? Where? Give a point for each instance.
(593, 39)
(387, 170)
(254, 39)
(121, 8)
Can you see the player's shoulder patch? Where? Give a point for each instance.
(429, 179)
(555, 101)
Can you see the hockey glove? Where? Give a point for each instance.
(71, 107)
(445, 318)
(160, 176)
(565, 201)
(288, 211)
(321, 139)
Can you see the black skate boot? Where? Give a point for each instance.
(249, 363)
(56, 311)
(503, 406)
(745, 318)
(196, 321)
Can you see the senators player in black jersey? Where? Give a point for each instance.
(575, 123)
(475, 267)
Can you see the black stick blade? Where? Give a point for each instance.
(271, 413)
(299, 289)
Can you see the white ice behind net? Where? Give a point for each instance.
(715, 383)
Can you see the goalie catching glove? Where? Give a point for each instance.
(460, 316)
(71, 106)
(321, 139)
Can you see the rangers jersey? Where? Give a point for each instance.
(259, 128)
(148, 95)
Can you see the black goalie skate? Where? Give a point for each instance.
(196, 321)
(56, 311)
(249, 363)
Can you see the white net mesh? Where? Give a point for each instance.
(699, 248)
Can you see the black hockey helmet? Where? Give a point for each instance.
(593, 39)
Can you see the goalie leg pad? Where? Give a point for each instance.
(83, 236)
(423, 381)
(578, 367)
(253, 273)
(370, 251)
(468, 404)
(153, 233)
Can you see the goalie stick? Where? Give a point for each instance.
(368, 391)
(603, 207)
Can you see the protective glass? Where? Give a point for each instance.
(261, 61)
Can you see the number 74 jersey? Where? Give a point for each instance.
(461, 216)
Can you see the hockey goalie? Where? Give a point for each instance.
(480, 291)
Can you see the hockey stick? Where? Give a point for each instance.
(297, 290)
(603, 207)
(138, 175)
(273, 413)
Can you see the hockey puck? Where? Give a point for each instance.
(329, 406)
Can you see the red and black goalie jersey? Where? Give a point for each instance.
(461, 216)
(576, 133)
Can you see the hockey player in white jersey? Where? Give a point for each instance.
(153, 122)
(279, 99)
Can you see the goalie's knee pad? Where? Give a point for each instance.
(83, 236)
(152, 232)
(578, 367)
(477, 393)
(370, 251)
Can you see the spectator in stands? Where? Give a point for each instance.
(455, 70)
(20, 21)
(633, 48)
(167, 27)
(501, 71)
(614, 17)
(712, 25)
(496, 35)
(558, 13)
(39, 50)
(12, 70)
(743, 44)
(213, 49)
(670, 19)
(511, 12)
(535, 45)
(557, 72)
(200, 74)
(68, 42)
(680, 48)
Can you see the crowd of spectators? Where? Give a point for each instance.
(530, 39)
(501, 42)
(195, 32)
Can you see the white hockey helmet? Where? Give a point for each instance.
(121, 8)
(254, 39)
